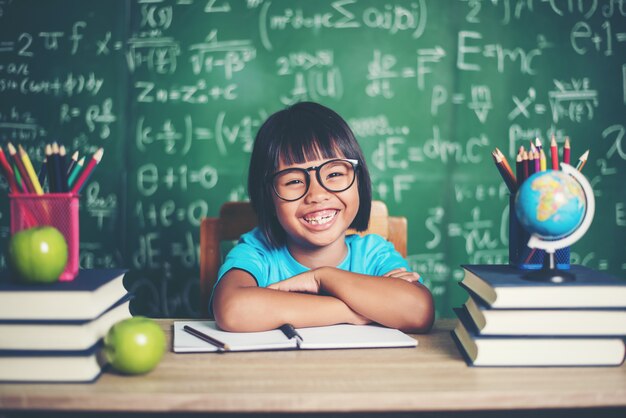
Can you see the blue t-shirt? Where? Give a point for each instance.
(371, 255)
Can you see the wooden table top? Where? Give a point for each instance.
(430, 377)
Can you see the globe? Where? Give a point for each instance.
(556, 208)
(550, 204)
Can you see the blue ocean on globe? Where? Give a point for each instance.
(550, 204)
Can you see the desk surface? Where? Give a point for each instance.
(431, 377)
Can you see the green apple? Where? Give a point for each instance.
(39, 254)
(134, 345)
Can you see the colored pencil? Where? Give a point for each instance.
(75, 171)
(543, 162)
(63, 169)
(20, 168)
(519, 169)
(554, 153)
(30, 171)
(42, 172)
(52, 186)
(8, 172)
(506, 174)
(525, 162)
(82, 178)
(582, 160)
(72, 163)
(531, 163)
(18, 178)
(566, 151)
(538, 144)
(56, 165)
(505, 163)
(537, 158)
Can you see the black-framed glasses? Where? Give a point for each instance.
(334, 175)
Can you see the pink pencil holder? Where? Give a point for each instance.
(59, 210)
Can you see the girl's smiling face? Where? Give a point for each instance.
(320, 219)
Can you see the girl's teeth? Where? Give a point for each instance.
(320, 220)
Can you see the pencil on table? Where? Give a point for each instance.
(582, 160)
(221, 346)
(566, 151)
(554, 153)
(30, 171)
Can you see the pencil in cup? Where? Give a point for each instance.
(505, 162)
(519, 168)
(541, 155)
(566, 151)
(30, 170)
(75, 171)
(19, 164)
(582, 160)
(70, 166)
(50, 170)
(8, 172)
(506, 173)
(57, 172)
(86, 172)
(525, 172)
(554, 153)
(63, 169)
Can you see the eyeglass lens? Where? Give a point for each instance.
(334, 176)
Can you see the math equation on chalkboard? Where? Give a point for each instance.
(175, 91)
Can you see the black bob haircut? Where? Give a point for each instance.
(302, 132)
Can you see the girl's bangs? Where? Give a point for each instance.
(301, 148)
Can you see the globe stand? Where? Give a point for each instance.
(549, 273)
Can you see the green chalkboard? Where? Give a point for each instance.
(175, 91)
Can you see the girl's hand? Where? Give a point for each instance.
(401, 273)
(304, 283)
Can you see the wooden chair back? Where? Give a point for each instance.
(237, 218)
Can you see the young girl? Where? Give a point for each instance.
(308, 183)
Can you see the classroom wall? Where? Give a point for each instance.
(174, 91)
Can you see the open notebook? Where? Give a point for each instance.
(314, 338)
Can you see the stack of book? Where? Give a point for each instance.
(511, 321)
(54, 332)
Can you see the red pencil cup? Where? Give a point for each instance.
(59, 210)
